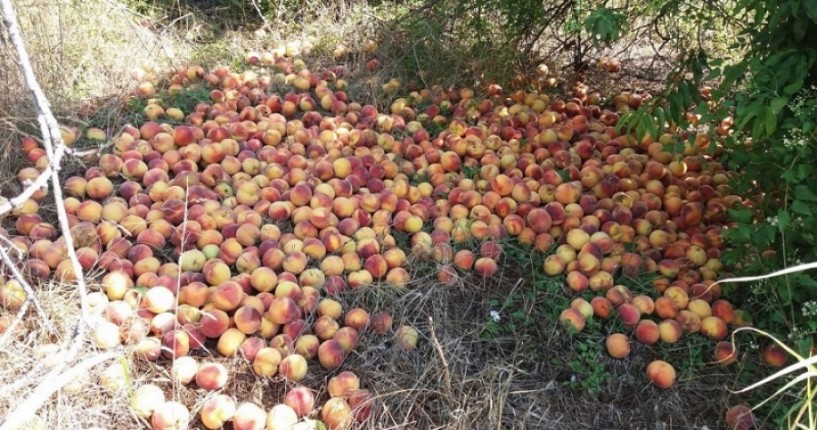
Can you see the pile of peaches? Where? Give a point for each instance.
(238, 225)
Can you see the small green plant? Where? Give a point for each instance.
(588, 369)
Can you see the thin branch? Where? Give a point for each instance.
(55, 380)
(21, 279)
(54, 148)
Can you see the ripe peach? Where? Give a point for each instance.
(230, 342)
(266, 362)
(774, 355)
(170, 415)
(665, 307)
(175, 343)
(647, 332)
(184, 369)
(307, 345)
(740, 417)
(577, 281)
(572, 319)
(669, 331)
(618, 345)
(283, 310)
(159, 299)
(247, 319)
(249, 416)
(325, 327)
(661, 374)
(281, 417)
(723, 310)
(689, 321)
(213, 323)
(602, 308)
(330, 354)
(227, 296)
(211, 376)
(301, 400)
(583, 306)
(725, 352)
(629, 315)
(337, 414)
(713, 328)
(357, 318)
(147, 399)
(217, 411)
(293, 367)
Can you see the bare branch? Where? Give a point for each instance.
(55, 380)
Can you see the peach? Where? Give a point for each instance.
(230, 342)
(661, 374)
(213, 323)
(159, 299)
(330, 354)
(170, 415)
(216, 272)
(331, 308)
(669, 331)
(713, 328)
(689, 321)
(281, 417)
(247, 319)
(740, 417)
(618, 345)
(485, 267)
(629, 315)
(147, 399)
(211, 376)
(572, 319)
(577, 281)
(325, 327)
(406, 337)
(700, 308)
(647, 332)
(301, 400)
(307, 345)
(217, 411)
(665, 307)
(184, 369)
(723, 310)
(583, 306)
(644, 304)
(554, 265)
(266, 362)
(249, 416)
(227, 296)
(175, 343)
(343, 385)
(464, 259)
(602, 308)
(337, 414)
(774, 355)
(725, 352)
(357, 318)
(283, 310)
(106, 335)
(293, 367)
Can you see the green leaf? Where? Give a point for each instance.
(741, 215)
(800, 208)
(801, 192)
(783, 220)
(770, 121)
(778, 103)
